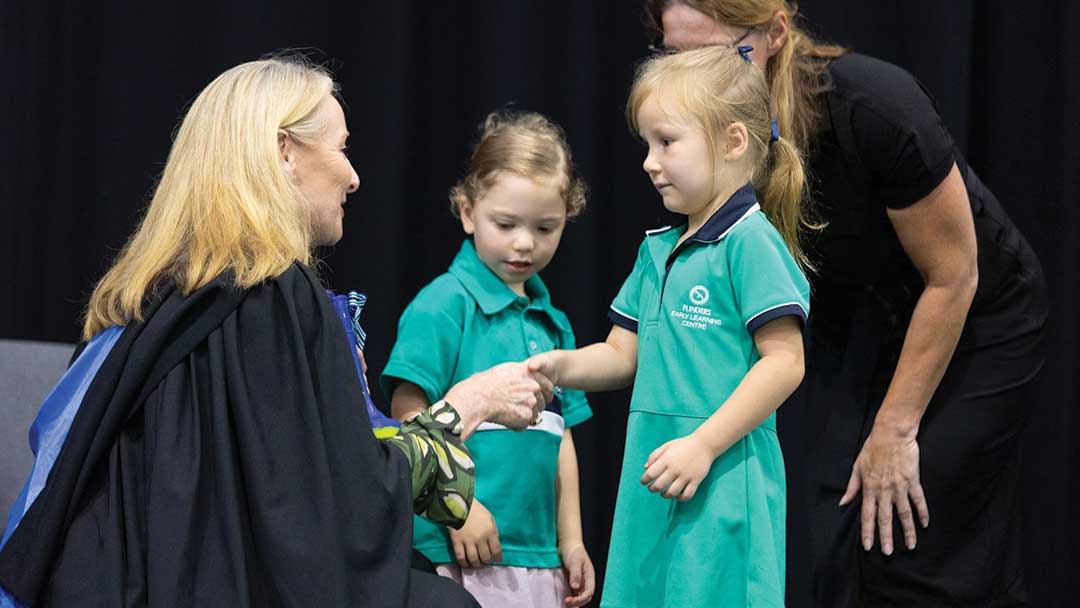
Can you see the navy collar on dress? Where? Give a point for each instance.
(729, 214)
(737, 207)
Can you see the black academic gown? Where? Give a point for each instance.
(223, 457)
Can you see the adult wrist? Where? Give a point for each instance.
(466, 409)
(904, 424)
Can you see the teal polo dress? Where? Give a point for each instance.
(695, 309)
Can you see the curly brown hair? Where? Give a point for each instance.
(526, 144)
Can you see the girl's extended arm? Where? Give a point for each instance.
(678, 466)
(603, 366)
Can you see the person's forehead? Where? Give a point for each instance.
(661, 111)
(683, 24)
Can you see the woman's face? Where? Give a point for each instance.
(322, 172)
(687, 28)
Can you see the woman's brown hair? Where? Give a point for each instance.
(796, 74)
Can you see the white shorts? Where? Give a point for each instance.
(511, 586)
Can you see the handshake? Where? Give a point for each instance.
(510, 394)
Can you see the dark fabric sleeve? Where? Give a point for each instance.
(329, 504)
(900, 139)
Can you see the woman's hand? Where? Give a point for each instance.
(677, 468)
(887, 473)
(476, 544)
(580, 574)
(510, 394)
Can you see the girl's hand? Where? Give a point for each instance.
(545, 364)
(476, 544)
(579, 573)
(887, 473)
(677, 468)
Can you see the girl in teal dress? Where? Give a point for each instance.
(708, 328)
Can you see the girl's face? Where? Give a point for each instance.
(516, 226)
(678, 163)
(322, 172)
(687, 28)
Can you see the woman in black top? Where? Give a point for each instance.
(924, 331)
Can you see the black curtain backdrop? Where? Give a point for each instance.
(94, 90)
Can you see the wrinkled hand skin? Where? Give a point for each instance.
(509, 394)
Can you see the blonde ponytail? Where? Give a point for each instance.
(782, 188)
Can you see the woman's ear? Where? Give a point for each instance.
(736, 141)
(776, 33)
(286, 152)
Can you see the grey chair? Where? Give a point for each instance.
(28, 371)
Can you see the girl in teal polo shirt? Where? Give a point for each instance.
(521, 544)
(708, 327)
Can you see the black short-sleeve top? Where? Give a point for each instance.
(881, 144)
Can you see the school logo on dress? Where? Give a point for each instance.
(699, 295)
(696, 315)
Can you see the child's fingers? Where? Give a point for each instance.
(589, 581)
(483, 552)
(575, 575)
(688, 492)
(581, 594)
(650, 475)
(459, 553)
(495, 547)
(663, 481)
(676, 488)
(656, 454)
(472, 556)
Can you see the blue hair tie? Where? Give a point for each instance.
(744, 52)
(775, 131)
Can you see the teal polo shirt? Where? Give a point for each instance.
(466, 321)
(695, 309)
(702, 302)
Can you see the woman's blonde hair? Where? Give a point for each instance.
(224, 202)
(715, 87)
(796, 74)
(525, 144)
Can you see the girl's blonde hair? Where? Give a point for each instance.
(715, 87)
(525, 144)
(796, 74)
(224, 202)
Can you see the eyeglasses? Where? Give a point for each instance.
(658, 47)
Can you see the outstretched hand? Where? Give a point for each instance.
(545, 364)
(508, 394)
